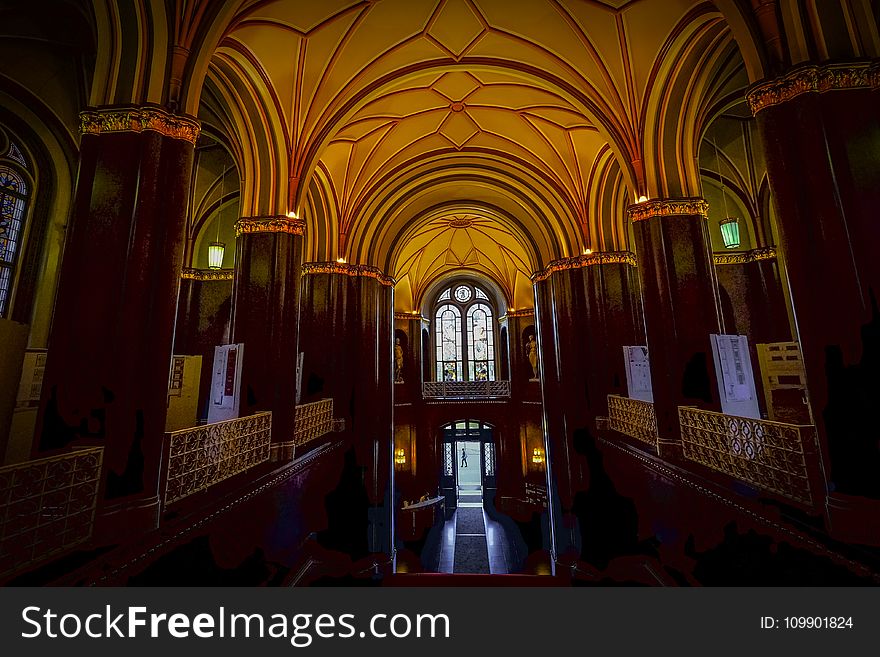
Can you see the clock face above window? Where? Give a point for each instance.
(462, 294)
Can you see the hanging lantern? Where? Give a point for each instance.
(730, 232)
(400, 456)
(215, 255)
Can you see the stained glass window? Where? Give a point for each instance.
(13, 197)
(464, 350)
(481, 343)
(447, 459)
(448, 333)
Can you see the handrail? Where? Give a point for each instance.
(634, 418)
(465, 389)
(312, 421)
(205, 455)
(769, 455)
(47, 506)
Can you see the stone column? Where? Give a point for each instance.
(587, 309)
(204, 313)
(265, 314)
(347, 342)
(681, 305)
(106, 378)
(820, 128)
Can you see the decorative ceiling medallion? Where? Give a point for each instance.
(457, 107)
(668, 208)
(578, 262)
(345, 269)
(276, 224)
(767, 253)
(813, 79)
(208, 274)
(461, 222)
(107, 120)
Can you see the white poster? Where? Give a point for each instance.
(638, 373)
(225, 383)
(736, 383)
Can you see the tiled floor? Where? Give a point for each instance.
(469, 538)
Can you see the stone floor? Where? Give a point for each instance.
(472, 542)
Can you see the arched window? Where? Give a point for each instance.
(465, 350)
(13, 203)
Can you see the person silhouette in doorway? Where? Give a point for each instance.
(463, 458)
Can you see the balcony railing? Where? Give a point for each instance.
(202, 456)
(313, 421)
(634, 418)
(47, 506)
(465, 389)
(768, 455)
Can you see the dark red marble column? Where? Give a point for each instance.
(820, 128)
(204, 314)
(757, 308)
(681, 305)
(106, 378)
(588, 308)
(265, 313)
(347, 340)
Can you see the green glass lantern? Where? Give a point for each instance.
(730, 232)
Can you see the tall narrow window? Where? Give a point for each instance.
(449, 343)
(13, 200)
(481, 343)
(465, 349)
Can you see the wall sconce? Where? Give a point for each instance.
(400, 456)
(730, 232)
(537, 456)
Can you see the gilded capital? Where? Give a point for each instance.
(589, 260)
(813, 79)
(208, 274)
(345, 269)
(272, 224)
(107, 120)
(671, 207)
(744, 257)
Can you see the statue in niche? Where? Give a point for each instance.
(532, 355)
(398, 361)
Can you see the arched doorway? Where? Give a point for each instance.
(467, 474)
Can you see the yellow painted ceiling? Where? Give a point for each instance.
(521, 100)
(474, 241)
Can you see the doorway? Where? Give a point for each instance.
(468, 465)
(469, 483)
(472, 542)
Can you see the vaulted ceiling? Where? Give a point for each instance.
(385, 122)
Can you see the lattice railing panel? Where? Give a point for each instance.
(768, 455)
(313, 421)
(47, 506)
(202, 456)
(465, 389)
(633, 417)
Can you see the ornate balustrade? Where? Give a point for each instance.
(465, 389)
(313, 421)
(47, 506)
(768, 455)
(203, 456)
(634, 418)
